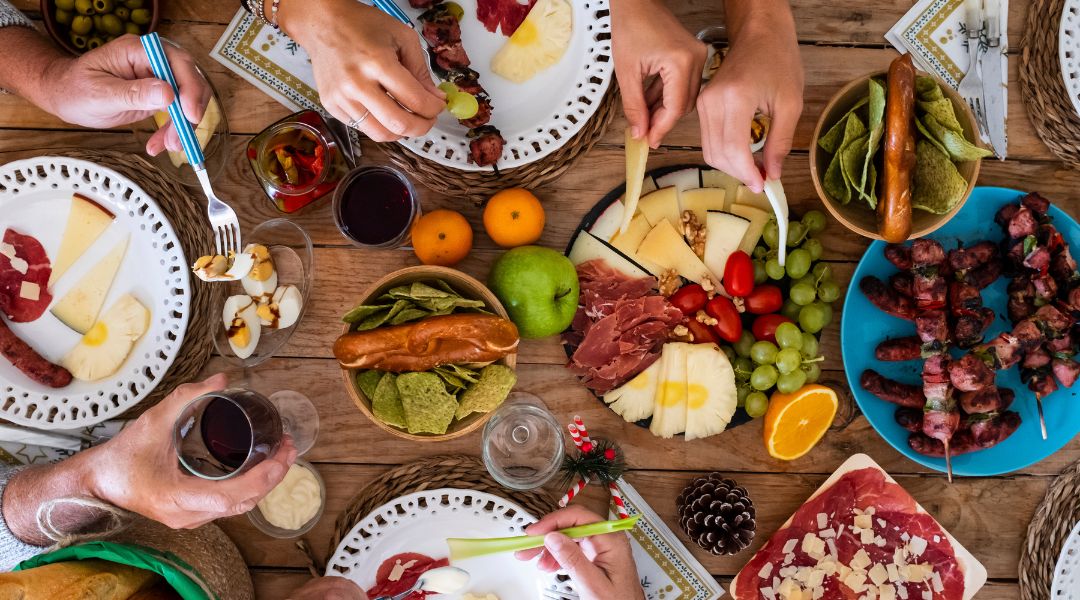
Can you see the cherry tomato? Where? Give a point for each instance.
(764, 327)
(739, 274)
(765, 299)
(689, 299)
(702, 333)
(729, 323)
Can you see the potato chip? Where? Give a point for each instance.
(937, 186)
(871, 184)
(956, 145)
(942, 110)
(833, 139)
(373, 321)
(488, 393)
(409, 314)
(851, 162)
(927, 89)
(834, 184)
(367, 381)
(428, 407)
(386, 402)
(930, 138)
(363, 311)
(877, 129)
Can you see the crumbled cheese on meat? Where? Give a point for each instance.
(7, 249)
(861, 560)
(399, 570)
(866, 536)
(789, 545)
(935, 579)
(886, 592)
(878, 574)
(917, 546)
(864, 522)
(19, 264)
(822, 520)
(30, 291)
(856, 580)
(765, 571)
(894, 572)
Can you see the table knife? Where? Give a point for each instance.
(994, 81)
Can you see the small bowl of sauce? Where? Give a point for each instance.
(293, 507)
(375, 207)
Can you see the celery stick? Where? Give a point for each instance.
(462, 548)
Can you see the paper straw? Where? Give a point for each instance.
(574, 435)
(573, 491)
(586, 442)
(616, 497)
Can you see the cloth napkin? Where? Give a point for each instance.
(19, 446)
(935, 35)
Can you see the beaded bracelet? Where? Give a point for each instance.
(273, 13)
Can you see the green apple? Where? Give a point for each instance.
(539, 288)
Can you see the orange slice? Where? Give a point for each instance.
(796, 422)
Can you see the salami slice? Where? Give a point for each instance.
(29, 264)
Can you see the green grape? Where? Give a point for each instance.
(815, 316)
(790, 310)
(802, 294)
(763, 352)
(796, 232)
(729, 352)
(462, 105)
(809, 345)
(814, 247)
(807, 279)
(814, 221)
(822, 271)
(798, 263)
(771, 233)
(789, 336)
(759, 252)
(741, 393)
(760, 274)
(813, 372)
(449, 87)
(743, 367)
(763, 377)
(829, 291)
(757, 403)
(788, 360)
(774, 270)
(746, 340)
(790, 382)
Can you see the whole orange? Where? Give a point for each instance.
(514, 217)
(441, 237)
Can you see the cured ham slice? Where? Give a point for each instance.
(505, 14)
(399, 573)
(24, 271)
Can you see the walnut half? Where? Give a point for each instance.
(694, 231)
(669, 282)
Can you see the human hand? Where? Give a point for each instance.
(328, 588)
(602, 566)
(367, 65)
(646, 41)
(138, 469)
(113, 85)
(762, 72)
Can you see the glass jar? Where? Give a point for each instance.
(297, 160)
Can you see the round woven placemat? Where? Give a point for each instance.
(188, 218)
(1041, 87)
(480, 185)
(1054, 518)
(448, 471)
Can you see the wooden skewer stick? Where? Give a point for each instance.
(1042, 420)
(948, 461)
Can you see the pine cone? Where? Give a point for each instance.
(717, 514)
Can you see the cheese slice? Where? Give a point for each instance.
(721, 180)
(744, 196)
(667, 249)
(87, 220)
(79, 308)
(203, 131)
(588, 247)
(608, 223)
(758, 218)
(628, 242)
(701, 200)
(683, 179)
(637, 155)
(661, 205)
(724, 233)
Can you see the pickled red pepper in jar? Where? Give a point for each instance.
(297, 161)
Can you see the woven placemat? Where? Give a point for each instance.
(448, 471)
(188, 218)
(1041, 87)
(481, 185)
(1054, 518)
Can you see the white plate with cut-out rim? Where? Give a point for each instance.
(1066, 582)
(35, 197)
(420, 522)
(1069, 51)
(536, 117)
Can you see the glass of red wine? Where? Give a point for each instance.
(375, 207)
(225, 433)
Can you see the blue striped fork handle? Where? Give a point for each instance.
(388, 7)
(155, 52)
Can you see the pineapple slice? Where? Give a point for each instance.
(108, 343)
(669, 411)
(538, 43)
(633, 401)
(711, 397)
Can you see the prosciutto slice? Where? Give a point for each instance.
(507, 14)
(30, 264)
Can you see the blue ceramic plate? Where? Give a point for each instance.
(863, 326)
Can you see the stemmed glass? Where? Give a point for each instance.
(522, 444)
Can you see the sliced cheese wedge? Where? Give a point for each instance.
(744, 196)
(724, 233)
(669, 410)
(683, 179)
(758, 218)
(667, 249)
(711, 397)
(661, 205)
(608, 223)
(721, 180)
(79, 308)
(628, 242)
(86, 222)
(701, 200)
(637, 155)
(588, 247)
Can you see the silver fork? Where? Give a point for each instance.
(971, 87)
(222, 217)
(547, 594)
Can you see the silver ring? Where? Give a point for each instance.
(355, 123)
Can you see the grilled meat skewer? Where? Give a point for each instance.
(902, 394)
(899, 349)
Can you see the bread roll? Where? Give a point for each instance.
(894, 208)
(76, 580)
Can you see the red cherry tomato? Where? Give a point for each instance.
(765, 299)
(729, 323)
(702, 333)
(764, 327)
(739, 274)
(689, 299)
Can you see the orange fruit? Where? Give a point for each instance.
(514, 217)
(795, 422)
(441, 237)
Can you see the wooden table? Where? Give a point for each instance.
(839, 42)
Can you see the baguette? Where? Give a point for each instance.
(894, 208)
(462, 339)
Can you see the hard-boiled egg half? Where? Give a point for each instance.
(242, 325)
(261, 281)
(223, 268)
(283, 309)
(107, 343)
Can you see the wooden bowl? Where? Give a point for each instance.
(856, 215)
(467, 287)
(59, 32)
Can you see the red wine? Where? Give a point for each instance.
(375, 207)
(226, 432)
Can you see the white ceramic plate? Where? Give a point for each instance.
(35, 196)
(1066, 582)
(421, 522)
(1069, 51)
(536, 117)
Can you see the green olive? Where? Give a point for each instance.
(84, 7)
(123, 12)
(79, 41)
(63, 17)
(132, 28)
(97, 22)
(81, 24)
(94, 43)
(455, 9)
(111, 25)
(133, 4)
(68, 5)
(103, 6)
(140, 16)
(109, 38)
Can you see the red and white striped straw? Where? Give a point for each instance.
(574, 435)
(586, 442)
(617, 499)
(573, 491)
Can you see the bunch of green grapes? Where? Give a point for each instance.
(761, 365)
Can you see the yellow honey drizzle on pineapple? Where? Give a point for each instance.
(97, 334)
